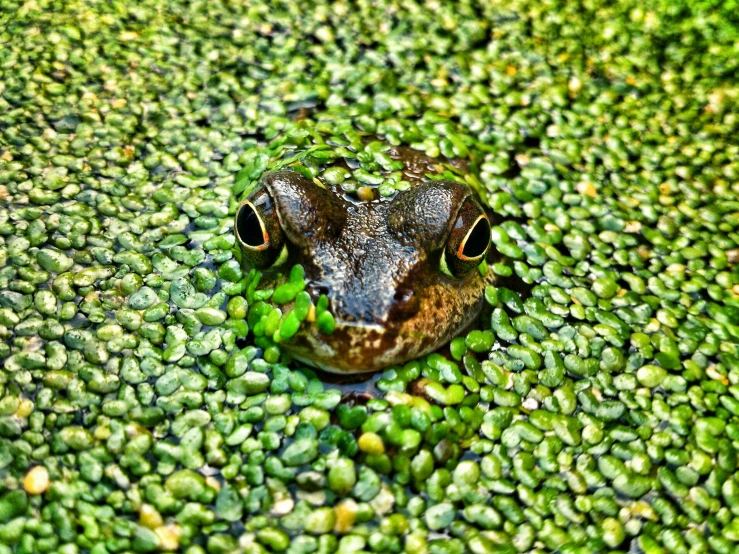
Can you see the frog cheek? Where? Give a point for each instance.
(468, 242)
(259, 234)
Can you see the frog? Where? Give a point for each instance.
(403, 275)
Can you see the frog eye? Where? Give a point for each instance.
(258, 232)
(468, 242)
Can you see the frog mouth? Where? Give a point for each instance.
(357, 347)
(375, 327)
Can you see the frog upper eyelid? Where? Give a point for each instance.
(302, 207)
(427, 212)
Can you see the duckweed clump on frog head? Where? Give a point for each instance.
(145, 405)
(338, 153)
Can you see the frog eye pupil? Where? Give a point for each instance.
(258, 232)
(478, 239)
(468, 241)
(249, 226)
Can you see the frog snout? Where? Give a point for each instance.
(387, 310)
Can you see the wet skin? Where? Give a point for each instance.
(402, 274)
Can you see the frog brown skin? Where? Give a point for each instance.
(379, 263)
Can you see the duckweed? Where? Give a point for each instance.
(145, 403)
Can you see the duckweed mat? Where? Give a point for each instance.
(595, 410)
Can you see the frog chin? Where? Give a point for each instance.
(354, 349)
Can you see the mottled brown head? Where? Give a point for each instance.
(401, 274)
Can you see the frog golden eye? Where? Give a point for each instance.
(468, 242)
(258, 232)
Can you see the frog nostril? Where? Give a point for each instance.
(405, 303)
(316, 289)
(403, 296)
